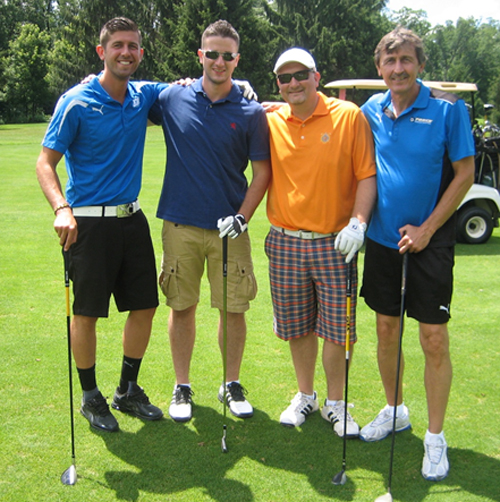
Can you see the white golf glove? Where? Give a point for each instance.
(246, 89)
(233, 226)
(350, 238)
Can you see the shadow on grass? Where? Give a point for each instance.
(172, 458)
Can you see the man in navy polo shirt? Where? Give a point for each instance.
(425, 165)
(211, 132)
(100, 128)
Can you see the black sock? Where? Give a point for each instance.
(130, 371)
(87, 378)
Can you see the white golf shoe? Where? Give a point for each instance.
(300, 406)
(335, 415)
(236, 400)
(381, 427)
(435, 465)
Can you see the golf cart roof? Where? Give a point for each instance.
(379, 84)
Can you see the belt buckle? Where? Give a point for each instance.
(306, 234)
(125, 210)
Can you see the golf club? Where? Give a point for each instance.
(68, 477)
(340, 478)
(387, 497)
(224, 338)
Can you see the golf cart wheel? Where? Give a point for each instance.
(474, 225)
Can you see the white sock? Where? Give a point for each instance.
(313, 396)
(434, 438)
(399, 410)
(328, 402)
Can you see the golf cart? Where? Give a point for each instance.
(479, 211)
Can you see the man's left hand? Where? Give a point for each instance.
(246, 89)
(350, 238)
(233, 226)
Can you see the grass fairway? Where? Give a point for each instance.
(166, 461)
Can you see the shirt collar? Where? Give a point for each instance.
(421, 102)
(234, 95)
(321, 109)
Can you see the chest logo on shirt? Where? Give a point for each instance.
(233, 125)
(420, 120)
(136, 102)
(99, 110)
(325, 138)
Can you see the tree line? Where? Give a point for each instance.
(47, 46)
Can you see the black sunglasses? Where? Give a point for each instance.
(286, 78)
(226, 56)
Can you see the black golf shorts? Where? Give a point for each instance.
(429, 283)
(113, 256)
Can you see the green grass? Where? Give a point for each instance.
(266, 462)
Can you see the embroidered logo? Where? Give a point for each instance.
(420, 120)
(99, 110)
(325, 138)
(445, 308)
(136, 102)
(233, 125)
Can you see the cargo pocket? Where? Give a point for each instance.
(246, 284)
(169, 284)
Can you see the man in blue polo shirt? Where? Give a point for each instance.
(425, 165)
(211, 132)
(100, 128)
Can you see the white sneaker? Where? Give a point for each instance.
(181, 406)
(235, 395)
(381, 427)
(335, 414)
(300, 406)
(435, 465)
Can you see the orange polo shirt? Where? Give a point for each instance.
(317, 164)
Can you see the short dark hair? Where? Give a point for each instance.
(395, 39)
(117, 24)
(220, 28)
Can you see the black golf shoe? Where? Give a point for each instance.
(96, 411)
(136, 403)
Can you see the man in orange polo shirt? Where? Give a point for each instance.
(320, 198)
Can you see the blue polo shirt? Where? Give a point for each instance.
(102, 140)
(208, 149)
(413, 154)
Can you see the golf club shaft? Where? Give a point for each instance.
(347, 353)
(68, 334)
(398, 366)
(224, 335)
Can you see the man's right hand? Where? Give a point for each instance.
(66, 227)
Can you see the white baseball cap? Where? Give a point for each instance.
(295, 55)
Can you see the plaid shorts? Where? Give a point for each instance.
(308, 288)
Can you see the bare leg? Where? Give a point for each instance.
(83, 340)
(182, 333)
(236, 337)
(137, 332)
(334, 366)
(438, 372)
(387, 354)
(304, 353)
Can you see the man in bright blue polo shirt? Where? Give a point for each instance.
(100, 128)
(211, 132)
(425, 165)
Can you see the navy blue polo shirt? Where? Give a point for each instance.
(208, 149)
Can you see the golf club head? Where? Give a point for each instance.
(68, 477)
(223, 445)
(340, 478)
(387, 497)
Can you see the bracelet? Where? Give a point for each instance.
(62, 206)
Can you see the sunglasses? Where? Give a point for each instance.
(226, 56)
(286, 78)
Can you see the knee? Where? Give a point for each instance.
(434, 340)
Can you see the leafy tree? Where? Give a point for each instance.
(341, 34)
(25, 69)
